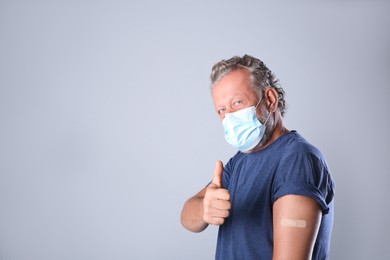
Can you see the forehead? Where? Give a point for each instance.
(235, 83)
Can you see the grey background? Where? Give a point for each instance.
(107, 125)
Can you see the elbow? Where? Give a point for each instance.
(191, 224)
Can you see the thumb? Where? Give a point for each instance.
(217, 180)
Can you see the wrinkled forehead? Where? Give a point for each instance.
(245, 73)
(235, 83)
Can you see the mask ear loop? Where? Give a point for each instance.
(269, 114)
(262, 96)
(259, 102)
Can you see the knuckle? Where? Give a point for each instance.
(229, 205)
(219, 221)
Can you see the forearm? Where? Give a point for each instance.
(192, 214)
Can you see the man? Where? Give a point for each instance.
(274, 198)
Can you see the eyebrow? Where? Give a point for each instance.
(231, 98)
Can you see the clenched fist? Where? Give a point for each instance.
(216, 202)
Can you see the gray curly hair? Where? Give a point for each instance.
(260, 76)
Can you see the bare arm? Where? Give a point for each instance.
(192, 213)
(296, 222)
(210, 206)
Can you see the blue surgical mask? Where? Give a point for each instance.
(243, 129)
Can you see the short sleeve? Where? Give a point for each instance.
(306, 174)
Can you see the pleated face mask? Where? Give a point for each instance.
(243, 129)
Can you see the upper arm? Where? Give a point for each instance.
(296, 220)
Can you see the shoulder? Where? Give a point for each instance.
(296, 145)
(303, 170)
(301, 158)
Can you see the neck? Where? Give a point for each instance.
(277, 132)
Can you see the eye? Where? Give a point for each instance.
(221, 111)
(237, 103)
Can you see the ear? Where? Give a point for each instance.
(272, 99)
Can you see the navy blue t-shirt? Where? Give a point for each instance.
(290, 165)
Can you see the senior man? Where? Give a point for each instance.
(274, 197)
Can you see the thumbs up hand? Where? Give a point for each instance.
(216, 202)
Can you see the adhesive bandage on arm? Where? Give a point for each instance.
(298, 223)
